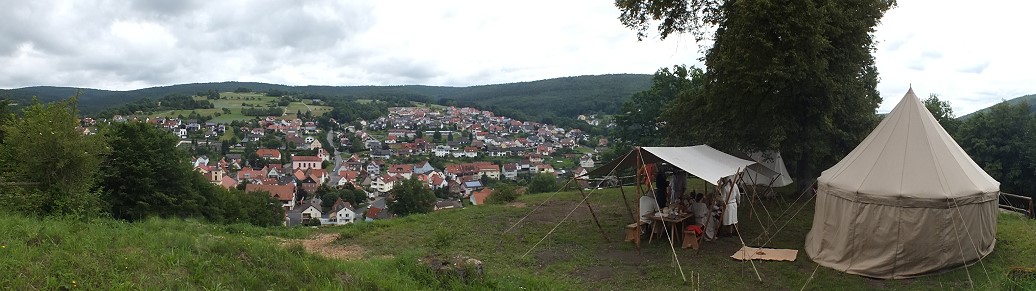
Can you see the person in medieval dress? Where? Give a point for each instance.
(732, 194)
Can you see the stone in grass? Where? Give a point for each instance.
(463, 268)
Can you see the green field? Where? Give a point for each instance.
(178, 254)
(235, 102)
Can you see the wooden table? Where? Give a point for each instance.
(674, 222)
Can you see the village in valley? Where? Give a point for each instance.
(458, 152)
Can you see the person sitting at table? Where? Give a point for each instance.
(700, 209)
(648, 207)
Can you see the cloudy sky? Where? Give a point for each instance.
(969, 53)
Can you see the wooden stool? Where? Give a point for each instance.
(631, 231)
(690, 240)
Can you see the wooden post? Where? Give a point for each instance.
(636, 181)
(627, 202)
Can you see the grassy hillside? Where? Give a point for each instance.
(167, 254)
(236, 101)
(568, 96)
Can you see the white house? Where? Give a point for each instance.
(341, 213)
(511, 171)
(587, 161)
(383, 183)
(310, 212)
(442, 151)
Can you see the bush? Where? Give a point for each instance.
(503, 193)
(542, 183)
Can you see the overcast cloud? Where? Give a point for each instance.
(973, 54)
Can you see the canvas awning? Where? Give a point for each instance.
(702, 161)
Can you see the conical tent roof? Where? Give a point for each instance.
(909, 155)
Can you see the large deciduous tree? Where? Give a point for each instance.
(49, 164)
(792, 75)
(641, 122)
(411, 197)
(146, 175)
(943, 113)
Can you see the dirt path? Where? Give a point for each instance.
(323, 245)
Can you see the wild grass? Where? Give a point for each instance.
(577, 255)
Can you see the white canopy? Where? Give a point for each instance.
(701, 161)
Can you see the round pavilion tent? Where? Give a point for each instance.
(907, 201)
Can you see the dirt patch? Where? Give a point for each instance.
(597, 273)
(323, 245)
(548, 257)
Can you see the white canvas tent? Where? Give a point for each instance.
(701, 161)
(907, 201)
(770, 168)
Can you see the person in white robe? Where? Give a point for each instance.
(733, 195)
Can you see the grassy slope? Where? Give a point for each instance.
(234, 102)
(167, 254)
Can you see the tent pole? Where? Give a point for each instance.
(627, 202)
(640, 191)
(598, 222)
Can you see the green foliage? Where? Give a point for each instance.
(640, 122)
(1002, 141)
(411, 197)
(50, 165)
(942, 112)
(695, 17)
(262, 111)
(797, 76)
(503, 193)
(329, 195)
(542, 183)
(146, 175)
(168, 102)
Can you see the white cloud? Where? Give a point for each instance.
(971, 54)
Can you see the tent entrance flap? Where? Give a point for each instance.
(702, 161)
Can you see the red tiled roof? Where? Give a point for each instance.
(481, 195)
(264, 152)
(281, 192)
(306, 159)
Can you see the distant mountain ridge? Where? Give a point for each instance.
(1031, 99)
(563, 97)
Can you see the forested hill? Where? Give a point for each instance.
(562, 97)
(1031, 99)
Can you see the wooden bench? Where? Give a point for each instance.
(633, 231)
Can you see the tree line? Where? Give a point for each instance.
(128, 171)
(1001, 140)
(168, 102)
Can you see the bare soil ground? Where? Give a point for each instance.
(322, 244)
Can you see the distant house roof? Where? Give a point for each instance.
(306, 159)
(281, 192)
(479, 197)
(268, 153)
(473, 184)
